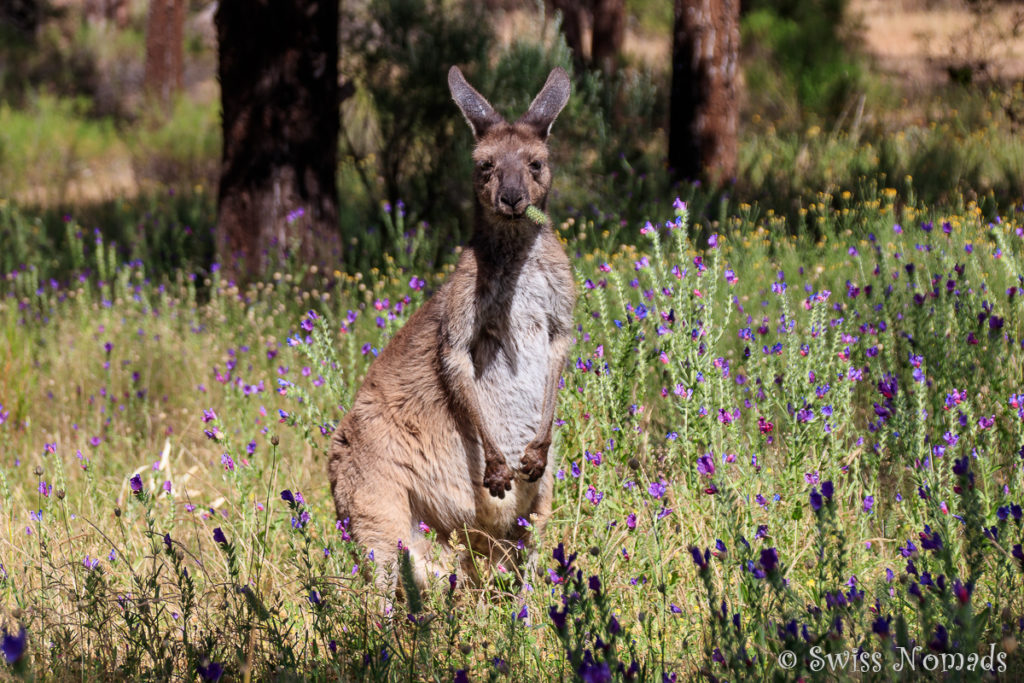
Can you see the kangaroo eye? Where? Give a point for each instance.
(486, 166)
(535, 166)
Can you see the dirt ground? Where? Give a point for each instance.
(919, 41)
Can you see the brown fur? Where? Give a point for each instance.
(452, 426)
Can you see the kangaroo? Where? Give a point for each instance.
(452, 425)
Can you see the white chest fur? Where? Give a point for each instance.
(512, 358)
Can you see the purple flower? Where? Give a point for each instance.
(593, 495)
(558, 554)
(827, 489)
(769, 559)
(657, 489)
(210, 671)
(136, 484)
(14, 646)
(287, 496)
(869, 503)
(816, 500)
(219, 537)
(699, 559)
(558, 617)
(706, 466)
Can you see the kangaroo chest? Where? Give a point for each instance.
(512, 356)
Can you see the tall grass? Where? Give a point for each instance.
(765, 444)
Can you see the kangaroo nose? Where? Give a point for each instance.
(513, 201)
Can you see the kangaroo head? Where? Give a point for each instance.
(511, 158)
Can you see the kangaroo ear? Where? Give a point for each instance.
(548, 102)
(478, 111)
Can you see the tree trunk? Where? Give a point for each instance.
(704, 117)
(606, 22)
(278, 68)
(574, 22)
(165, 49)
(23, 16)
(608, 34)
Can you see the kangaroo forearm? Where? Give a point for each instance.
(458, 372)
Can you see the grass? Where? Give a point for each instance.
(766, 442)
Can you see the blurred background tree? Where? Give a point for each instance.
(165, 50)
(597, 24)
(702, 135)
(278, 72)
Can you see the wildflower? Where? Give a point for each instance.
(14, 646)
(816, 500)
(210, 671)
(881, 626)
(136, 484)
(219, 537)
(593, 495)
(706, 466)
(558, 617)
(657, 489)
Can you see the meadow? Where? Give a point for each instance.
(783, 449)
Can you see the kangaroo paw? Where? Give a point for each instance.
(534, 462)
(497, 479)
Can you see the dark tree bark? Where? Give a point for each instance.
(704, 118)
(278, 69)
(574, 20)
(609, 31)
(165, 49)
(23, 16)
(606, 22)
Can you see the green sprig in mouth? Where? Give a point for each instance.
(536, 215)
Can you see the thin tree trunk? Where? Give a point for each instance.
(279, 89)
(165, 49)
(704, 118)
(608, 34)
(574, 22)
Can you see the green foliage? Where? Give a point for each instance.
(180, 145)
(167, 231)
(402, 114)
(402, 128)
(799, 58)
(755, 430)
